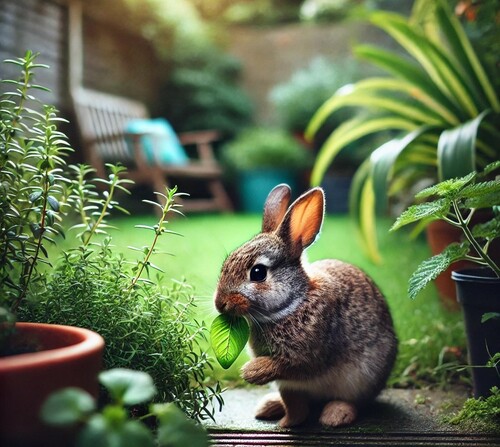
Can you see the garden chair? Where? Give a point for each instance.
(104, 122)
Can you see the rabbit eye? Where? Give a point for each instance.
(258, 273)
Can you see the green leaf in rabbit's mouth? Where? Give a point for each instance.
(229, 335)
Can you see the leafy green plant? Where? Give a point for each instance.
(84, 281)
(228, 335)
(145, 325)
(114, 424)
(32, 183)
(257, 148)
(479, 414)
(441, 100)
(455, 201)
(297, 99)
(202, 92)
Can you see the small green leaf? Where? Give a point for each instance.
(446, 188)
(429, 269)
(480, 189)
(67, 407)
(128, 386)
(34, 196)
(489, 316)
(487, 230)
(229, 336)
(491, 168)
(36, 230)
(176, 430)
(425, 210)
(100, 433)
(50, 216)
(486, 200)
(54, 203)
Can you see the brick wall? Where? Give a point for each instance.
(271, 55)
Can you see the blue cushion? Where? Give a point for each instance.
(159, 141)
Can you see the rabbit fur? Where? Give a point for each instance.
(322, 331)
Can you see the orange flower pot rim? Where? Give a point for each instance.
(81, 342)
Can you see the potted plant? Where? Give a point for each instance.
(439, 99)
(36, 359)
(478, 289)
(263, 158)
(87, 285)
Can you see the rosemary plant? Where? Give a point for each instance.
(86, 282)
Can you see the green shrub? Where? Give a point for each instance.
(202, 92)
(297, 99)
(256, 148)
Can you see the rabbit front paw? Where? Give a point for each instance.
(259, 371)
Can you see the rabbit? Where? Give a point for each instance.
(322, 331)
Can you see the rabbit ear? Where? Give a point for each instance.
(275, 208)
(303, 220)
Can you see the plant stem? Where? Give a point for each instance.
(34, 260)
(468, 234)
(158, 231)
(102, 215)
(151, 248)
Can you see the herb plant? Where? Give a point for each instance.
(113, 424)
(32, 183)
(85, 281)
(455, 201)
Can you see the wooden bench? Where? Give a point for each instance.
(102, 119)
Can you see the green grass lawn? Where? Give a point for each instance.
(424, 328)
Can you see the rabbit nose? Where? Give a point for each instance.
(232, 304)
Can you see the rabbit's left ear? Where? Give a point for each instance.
(303, 220)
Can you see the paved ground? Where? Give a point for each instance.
(399, 417)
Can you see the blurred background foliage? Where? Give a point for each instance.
(192, 37)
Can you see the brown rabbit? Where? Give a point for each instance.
(322, 331)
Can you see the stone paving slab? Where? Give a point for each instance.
(398, 417)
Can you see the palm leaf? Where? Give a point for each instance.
(412, 73)
(457, 148)
(383, 160)
(467, 58)
(367, 221)
(419, 104)
(350, 131)
(432, 58)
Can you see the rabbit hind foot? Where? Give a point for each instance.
(337, 413)
(271, 408)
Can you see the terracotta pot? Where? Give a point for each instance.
(440, 234)
(65, 356)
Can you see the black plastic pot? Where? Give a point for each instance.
(478, 291)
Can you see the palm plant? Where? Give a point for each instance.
(438, 97)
